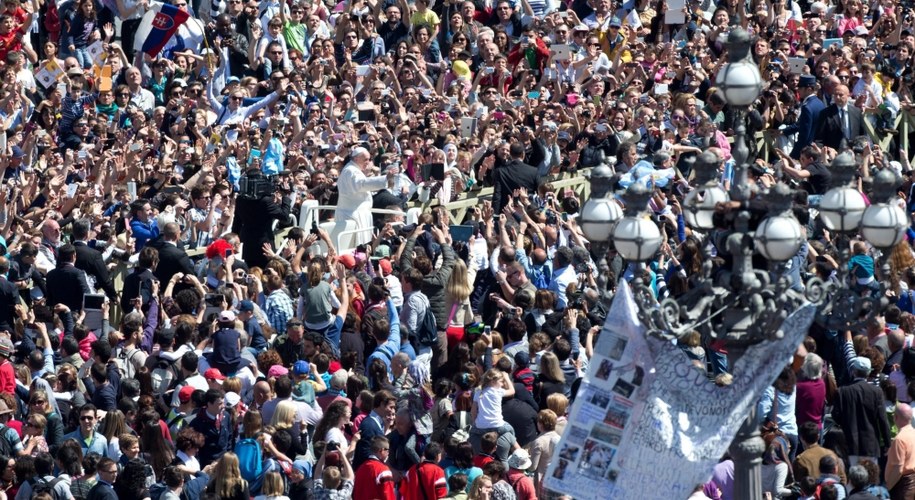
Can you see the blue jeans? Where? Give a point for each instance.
(81, 55)
(503, 445)
(719, 362)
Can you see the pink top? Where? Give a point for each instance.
(811, 401)
(848, 23)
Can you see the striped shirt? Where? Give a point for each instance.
(71, 109)
(278, 309)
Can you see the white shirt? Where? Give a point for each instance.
(190, 462)
(560, 282)
(196, 381)
(335, 435)
(489, 408)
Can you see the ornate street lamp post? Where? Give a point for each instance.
(744, 306)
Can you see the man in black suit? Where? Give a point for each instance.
(107, 475)
(9, 297)
(172, 259)
(511, 176)
(25, 275)
(90, 260)
(66, 284)
(840, 122)
(139, 283)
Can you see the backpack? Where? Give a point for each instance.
(80, 489)
(427, 332)
(124, 361)
(69, 415)
(250, 459)
(164, 375)
(6, 448)
(40, 485)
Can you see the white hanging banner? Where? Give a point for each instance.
(646, 422)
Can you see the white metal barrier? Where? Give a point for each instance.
(345, 235)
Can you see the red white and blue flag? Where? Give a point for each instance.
(158, 26)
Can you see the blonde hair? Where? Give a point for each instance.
(39, 421)
(227, 476)
(547, 420)
(458, 287)
(558, 403)
(315, 273)
(126, 440)
(550, 369)
(232, 384)
(284, 415)
(331, 477)
(491, 377)
(273, 484)
(476, 490)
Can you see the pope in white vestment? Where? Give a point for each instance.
(355, 190)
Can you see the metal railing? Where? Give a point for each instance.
(457, 209)
(903, 125)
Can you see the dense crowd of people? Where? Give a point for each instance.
(159, 340)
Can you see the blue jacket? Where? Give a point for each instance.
(143, 232)
(806, 124)
(217, 440)
(368, 429)
(385, 352)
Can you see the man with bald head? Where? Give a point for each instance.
(900, 459)
(50, 240)
(841, 122)
(828, 86)
(262, 394)
(172, 259)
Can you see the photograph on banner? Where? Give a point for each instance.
(611, 396)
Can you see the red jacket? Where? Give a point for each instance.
(541, 54)
(523, 485)
(373, 481)
(7, 377)
(425, 476)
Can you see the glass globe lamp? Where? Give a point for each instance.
(884, 225)
(842, 209)
(597, 218)
(699, 206)
(779, 237)
(636, 238)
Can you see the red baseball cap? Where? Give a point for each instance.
(184, 395)
(212, 374)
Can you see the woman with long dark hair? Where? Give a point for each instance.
(330, 428)
(8, 476)
(159, 452)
